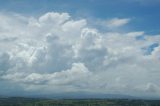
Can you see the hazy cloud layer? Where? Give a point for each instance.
(55, 53)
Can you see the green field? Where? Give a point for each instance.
(76, 102)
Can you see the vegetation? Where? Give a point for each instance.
(76, 102)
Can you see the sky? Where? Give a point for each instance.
(73, 46)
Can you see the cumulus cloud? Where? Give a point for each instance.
(56, 53)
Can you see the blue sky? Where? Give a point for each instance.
(93, 46)
(145, 13)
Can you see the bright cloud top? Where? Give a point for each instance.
(55, 53)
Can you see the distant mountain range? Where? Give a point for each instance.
(78, 95)
(81, 95)
(89, 95)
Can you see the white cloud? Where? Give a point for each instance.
(51, 18)
(117, 22)
(55, 53)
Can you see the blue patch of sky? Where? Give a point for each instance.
(150, 48)
(145, 14)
